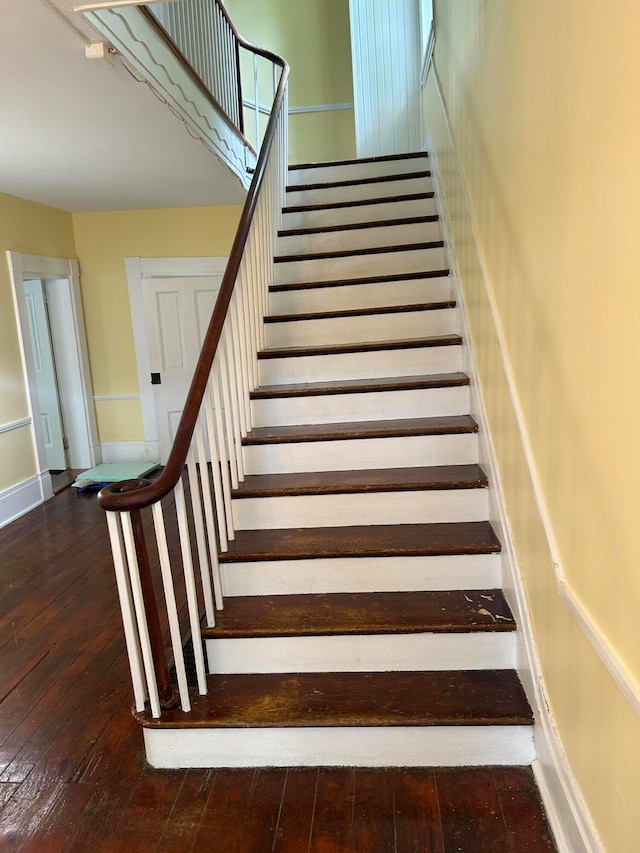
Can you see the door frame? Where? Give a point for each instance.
(138, 270)
(73, 368)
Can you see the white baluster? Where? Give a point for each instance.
(221, 374)
(172, 608)
(228, 355)
(209, 507)
(256, 99)
(190, 586)
(126, 606)
(201, 541)
(221, 445)
(141, 617)
(238, 340)
(217, 484)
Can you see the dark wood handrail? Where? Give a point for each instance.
(121, 497)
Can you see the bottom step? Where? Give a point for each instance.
(348, 719)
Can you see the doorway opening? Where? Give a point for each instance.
(48, 307)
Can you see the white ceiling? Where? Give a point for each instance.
(80, 134)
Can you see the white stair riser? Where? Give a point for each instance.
(363, 653)
(363, 328)
(367, 406)
(360, 266)
(351, 746)
(357, 171)
(375, 295)
(356, 192)
(390, 209)
(399, 507)
(359, 238)
(359, 454)
(420, 361)
(362, 574)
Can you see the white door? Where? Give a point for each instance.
(385, 56)
(45, 371)
(176, 312)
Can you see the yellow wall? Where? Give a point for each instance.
(37, 230)
(103, 241)
(542, 102)
(314, 38)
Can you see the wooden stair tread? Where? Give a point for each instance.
(375, 279)
(435, 477)
(446, 698)
(358, 226)
(380, 158)
(380, 540)
(363, 346)
(357, 182)
(445, 425)
(369, 279)
(356, 386)
(361, 312)
(350, 253)
(443, 611)
(336, 205)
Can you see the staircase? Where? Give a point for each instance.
(363, 621)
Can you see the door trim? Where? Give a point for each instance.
(73, 370)
(137, 270)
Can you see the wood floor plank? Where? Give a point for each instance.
(140, 828)
(225, 811)
(260, 822)
(333, 815)
(182, 821)
(60, 824)
(470, 811)
(373, 813)
(107, 807)
(416, 811)
(293, 834)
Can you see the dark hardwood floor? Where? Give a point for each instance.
(72, 771)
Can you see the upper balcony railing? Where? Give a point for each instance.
(166, 534)
(189, 52)
(233, 71)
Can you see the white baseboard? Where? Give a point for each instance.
(21, 498)
(129, 451)
(567, 811)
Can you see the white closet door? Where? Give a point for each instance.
(45, 371)
(177, 313)
(385, 55)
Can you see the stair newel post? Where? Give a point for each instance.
(166, 694)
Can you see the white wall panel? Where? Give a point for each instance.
(385, 51)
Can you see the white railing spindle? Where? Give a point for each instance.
(190, 586)
(140, 613)
(126, 606)
(172, 607)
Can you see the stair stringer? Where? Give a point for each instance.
(566, 809)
